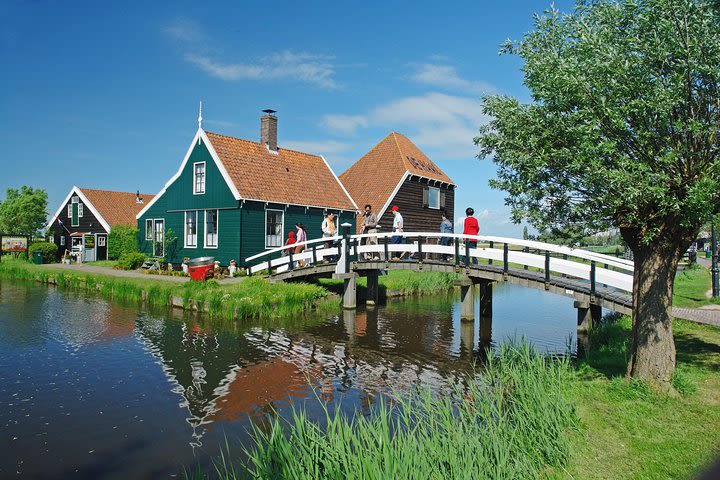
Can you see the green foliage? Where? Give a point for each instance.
(23, 211)
(171, 243)
(130, 261)
(122, 239)
(48, 250)
(623, 128)
(512, 421)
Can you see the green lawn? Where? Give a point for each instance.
(104, 263)
(627, 431)
(691, 286)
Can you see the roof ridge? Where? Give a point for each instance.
(260, 144)
(402, 154)
(112, 191)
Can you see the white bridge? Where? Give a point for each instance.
(594, 280)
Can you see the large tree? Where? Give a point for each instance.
(622, 131)
(23, 211)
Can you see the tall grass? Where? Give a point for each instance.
(252, 298)
(509, 422)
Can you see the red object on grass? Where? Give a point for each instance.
(199, 273)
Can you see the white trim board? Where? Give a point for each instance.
(199, 135)
(76, 190)
(392, 195)
(357, 210)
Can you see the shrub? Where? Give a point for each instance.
(130, 261)
(48, 250)
(122, 239)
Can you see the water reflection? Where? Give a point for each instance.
(159, 389)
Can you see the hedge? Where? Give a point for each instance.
(130, 261)
(122, 239)
(48, 250)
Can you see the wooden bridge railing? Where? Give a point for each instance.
(552, 259)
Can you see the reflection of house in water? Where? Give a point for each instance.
(227, 375)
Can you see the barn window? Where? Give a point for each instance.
(211, 228)
(191, 229)
(148, 229)
(431, 197)
(273, 228)
(198, 178)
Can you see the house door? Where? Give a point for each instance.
(89, 248)
(159, 240)
(101, 247)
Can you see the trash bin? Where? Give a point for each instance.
(37, 258)
(708, 254)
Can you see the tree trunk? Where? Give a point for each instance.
(652, 348)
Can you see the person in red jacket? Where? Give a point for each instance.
(471, 228)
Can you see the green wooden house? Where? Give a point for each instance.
(233, 198)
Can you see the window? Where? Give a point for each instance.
(80, 209)
(101, 241)
(198, 178)
(211, 228)
(62, 240)
(70, 211)
(433, 198)
(273, 228)
(148, 229)
(191, 228)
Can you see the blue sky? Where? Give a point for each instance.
(106, 96)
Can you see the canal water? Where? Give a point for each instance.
(90, 388)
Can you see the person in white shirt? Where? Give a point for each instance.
(397, 227)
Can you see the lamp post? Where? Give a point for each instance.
(714, 265)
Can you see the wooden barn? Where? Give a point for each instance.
(396, 172)
(86, 217)
(232, 198)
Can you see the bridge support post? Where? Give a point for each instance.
(467, 298)
(349, 294)
(486, 294)
(485, 331)
(587, 315)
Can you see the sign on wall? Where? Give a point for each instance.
(89, 241)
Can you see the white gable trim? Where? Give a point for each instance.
(397, 188)
(75, 190)
(199, 135)
(340, 183)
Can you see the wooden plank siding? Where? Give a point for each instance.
(417, 217)
(88, 223)
(178, 198)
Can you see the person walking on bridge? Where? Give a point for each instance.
(369, 227)
(446, 226)
(397, 229)
(471, 227)
(329, 230)
(301, 237)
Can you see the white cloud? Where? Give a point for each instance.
(445, 76)
(346, 124)
(284, 65)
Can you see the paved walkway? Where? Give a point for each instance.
(87, 268)
(708, 314)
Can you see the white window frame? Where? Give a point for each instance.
(70, 210)
(217, 228)
(436, 192)
(185, 232)
(204, 179)
(282, 227)
(62, 240)
(101, 239)
(80, 210)
(149, 232)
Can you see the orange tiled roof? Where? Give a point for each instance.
(285, 177)
(117, 208)
(373, 178)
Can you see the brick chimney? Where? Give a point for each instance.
(268, 130)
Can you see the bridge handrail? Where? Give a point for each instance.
(561, 249)
(293, 245)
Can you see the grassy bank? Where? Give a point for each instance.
(252, 298)
(526, 416)
(628, 431)
(510, 422)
